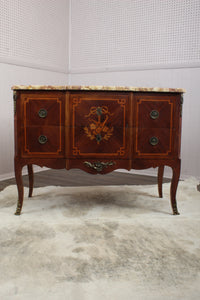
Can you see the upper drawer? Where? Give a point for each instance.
(43, 109)
(155, 111)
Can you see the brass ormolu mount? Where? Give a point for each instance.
(98, 165)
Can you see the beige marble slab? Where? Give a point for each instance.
(96, 88)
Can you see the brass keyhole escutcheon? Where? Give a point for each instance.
(42, 139)
(153, 140)
(42, 113)
(154, 114)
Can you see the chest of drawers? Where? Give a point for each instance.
(98, 130)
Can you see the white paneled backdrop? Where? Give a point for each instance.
(33, 33)
(132, 34)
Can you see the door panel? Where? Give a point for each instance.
(99, 124)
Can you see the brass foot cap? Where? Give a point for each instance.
(176, 213)
(17, 213)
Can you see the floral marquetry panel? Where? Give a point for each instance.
(99, 124)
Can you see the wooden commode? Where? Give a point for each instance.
(97, 129)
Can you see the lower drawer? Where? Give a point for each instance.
(153, 141)
(43, 141)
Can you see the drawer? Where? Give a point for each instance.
(156, 142)
(43, 141)
(43, 110)
(154, 113)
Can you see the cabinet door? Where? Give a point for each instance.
(156, 124)
(43, 124)
(99, 124)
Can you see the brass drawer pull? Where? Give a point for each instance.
(98, 165)
(42, 113)
(154, 114)
(153, 141)
(42, 139)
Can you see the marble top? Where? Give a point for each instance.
(96, 88)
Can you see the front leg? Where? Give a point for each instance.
(31, 179)
(174, 184)
(19, 181)
(160, 180)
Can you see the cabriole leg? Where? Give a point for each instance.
(160, 180)
(31, 179)
(174, 185)
(18, 177)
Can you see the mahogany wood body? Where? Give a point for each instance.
(98, 132)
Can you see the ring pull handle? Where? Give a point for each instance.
(42, 113)
(153, 141)
(42, 139)
(154, 114)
